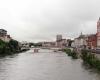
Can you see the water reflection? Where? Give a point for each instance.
(45, 65)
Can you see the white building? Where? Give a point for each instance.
(80, 42)
(24, 45)
(73, 44)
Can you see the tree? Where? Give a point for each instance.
(13, 44)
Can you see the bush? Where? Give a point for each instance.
(84, 54)
(68, 51)
(71, 53)
(74, 55)
(90, 59)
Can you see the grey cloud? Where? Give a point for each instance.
(42, 20)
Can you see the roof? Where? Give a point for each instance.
(3, 30)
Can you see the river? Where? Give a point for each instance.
(45, 65)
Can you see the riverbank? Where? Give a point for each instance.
(9, 48)
(87, 56)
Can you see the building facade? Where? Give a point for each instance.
(73, 44)
(98, 33)
(92, 41)
(58, 37)
(80, 42)
(4, 36)
(3, 32)
(48, 44)
(60, 42)
(24, 45)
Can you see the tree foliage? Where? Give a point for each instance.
(8, 47)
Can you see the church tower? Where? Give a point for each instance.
(98, 33)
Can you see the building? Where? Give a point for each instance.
(58, 37)
(92, 41)
(3, 32)
(4, 36)
(73, 44)
(98, 33)
(48, 44)
(81, 41)
(60, 42)
(24, 45)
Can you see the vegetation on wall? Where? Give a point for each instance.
(90, 59)
(86, 55)
(71, 53)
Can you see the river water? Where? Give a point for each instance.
(45, 65)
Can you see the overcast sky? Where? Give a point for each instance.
(38, 20)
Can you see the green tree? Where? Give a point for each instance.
(13, 45)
